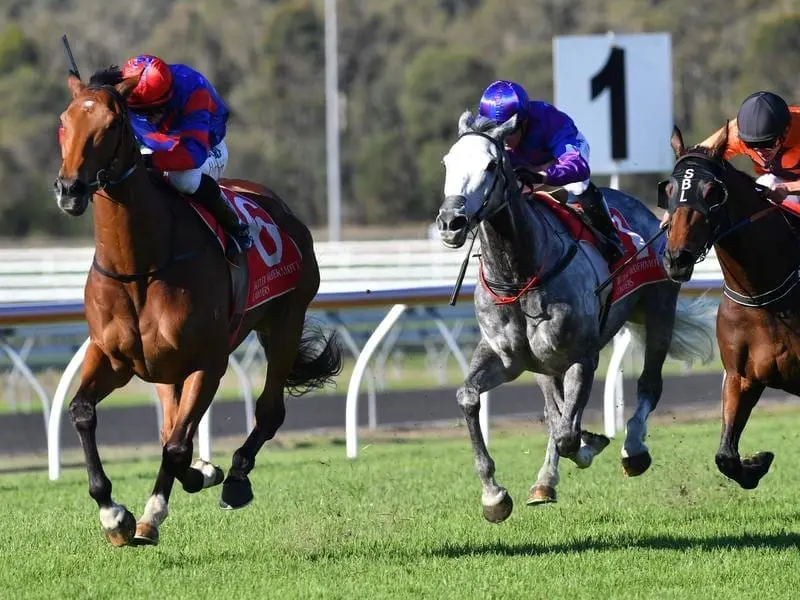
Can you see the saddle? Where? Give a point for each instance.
(253, 281)
(239, 266)
(556, 199)
(559, 194)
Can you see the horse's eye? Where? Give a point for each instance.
(491, 166)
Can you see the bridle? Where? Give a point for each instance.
(705, 169)
(499, 175)
(517, 290)
(689, 173)
(102, 179)
(700, 168)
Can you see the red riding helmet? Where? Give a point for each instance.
(155, 81)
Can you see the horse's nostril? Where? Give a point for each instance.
(679, 260)
(69, 187)
(457, 224)
(685, 258)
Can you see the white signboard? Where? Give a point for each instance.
(618, 90)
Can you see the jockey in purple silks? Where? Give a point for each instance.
(547, 148)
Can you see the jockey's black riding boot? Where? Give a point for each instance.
(210, 197)
(595, 207)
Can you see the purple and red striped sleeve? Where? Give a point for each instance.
(191, 146)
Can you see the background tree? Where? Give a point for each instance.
(407, 68)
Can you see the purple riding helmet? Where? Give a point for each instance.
(504, 99)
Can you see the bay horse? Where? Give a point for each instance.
(538, 311)
(159, 302)
(711, 203)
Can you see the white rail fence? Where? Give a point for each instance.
(47, 274)
(395, 275)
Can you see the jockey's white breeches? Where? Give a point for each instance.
(188, 181)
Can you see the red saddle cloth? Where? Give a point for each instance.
(274, 261)
(645, 269)
(270, 268)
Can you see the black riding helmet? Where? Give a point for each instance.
(763, 118)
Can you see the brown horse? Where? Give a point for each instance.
(710, 202)
(158, 303)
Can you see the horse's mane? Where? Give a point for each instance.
(715, 150)
(477, 123)
(705, 151)
(111, 75)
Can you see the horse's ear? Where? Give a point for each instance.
(676, 141)
(125, 87)
(465, 122)
(502, 131)
(75, 85)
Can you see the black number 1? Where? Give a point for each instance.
(612, 77)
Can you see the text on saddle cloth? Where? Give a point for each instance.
(274, 262)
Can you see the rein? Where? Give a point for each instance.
(536, 280)
(629, 260)
(101, 178)
(746, 221)
(476, 217)
(716, 173)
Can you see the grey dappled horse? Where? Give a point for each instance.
(554, 328)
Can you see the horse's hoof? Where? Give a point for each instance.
(541, 494)
(236, 493)
(592, 444)
(754, 468)
(123, 534)
(729, 465)
(192, 481)
(567, 445)
(497, 513)
(212, 474)
(146, 534)
(635, 465)
(597, 441)
(217, 478)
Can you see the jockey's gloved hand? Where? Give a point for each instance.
(529, 177)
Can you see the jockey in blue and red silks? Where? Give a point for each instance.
(547, 148)
(178, 115)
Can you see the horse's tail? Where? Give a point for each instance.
(693, 335)
(318, 361)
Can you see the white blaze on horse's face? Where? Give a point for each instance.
(469, 175)
(473, 185)
(470, 170)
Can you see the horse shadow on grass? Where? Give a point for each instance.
(773, 541)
